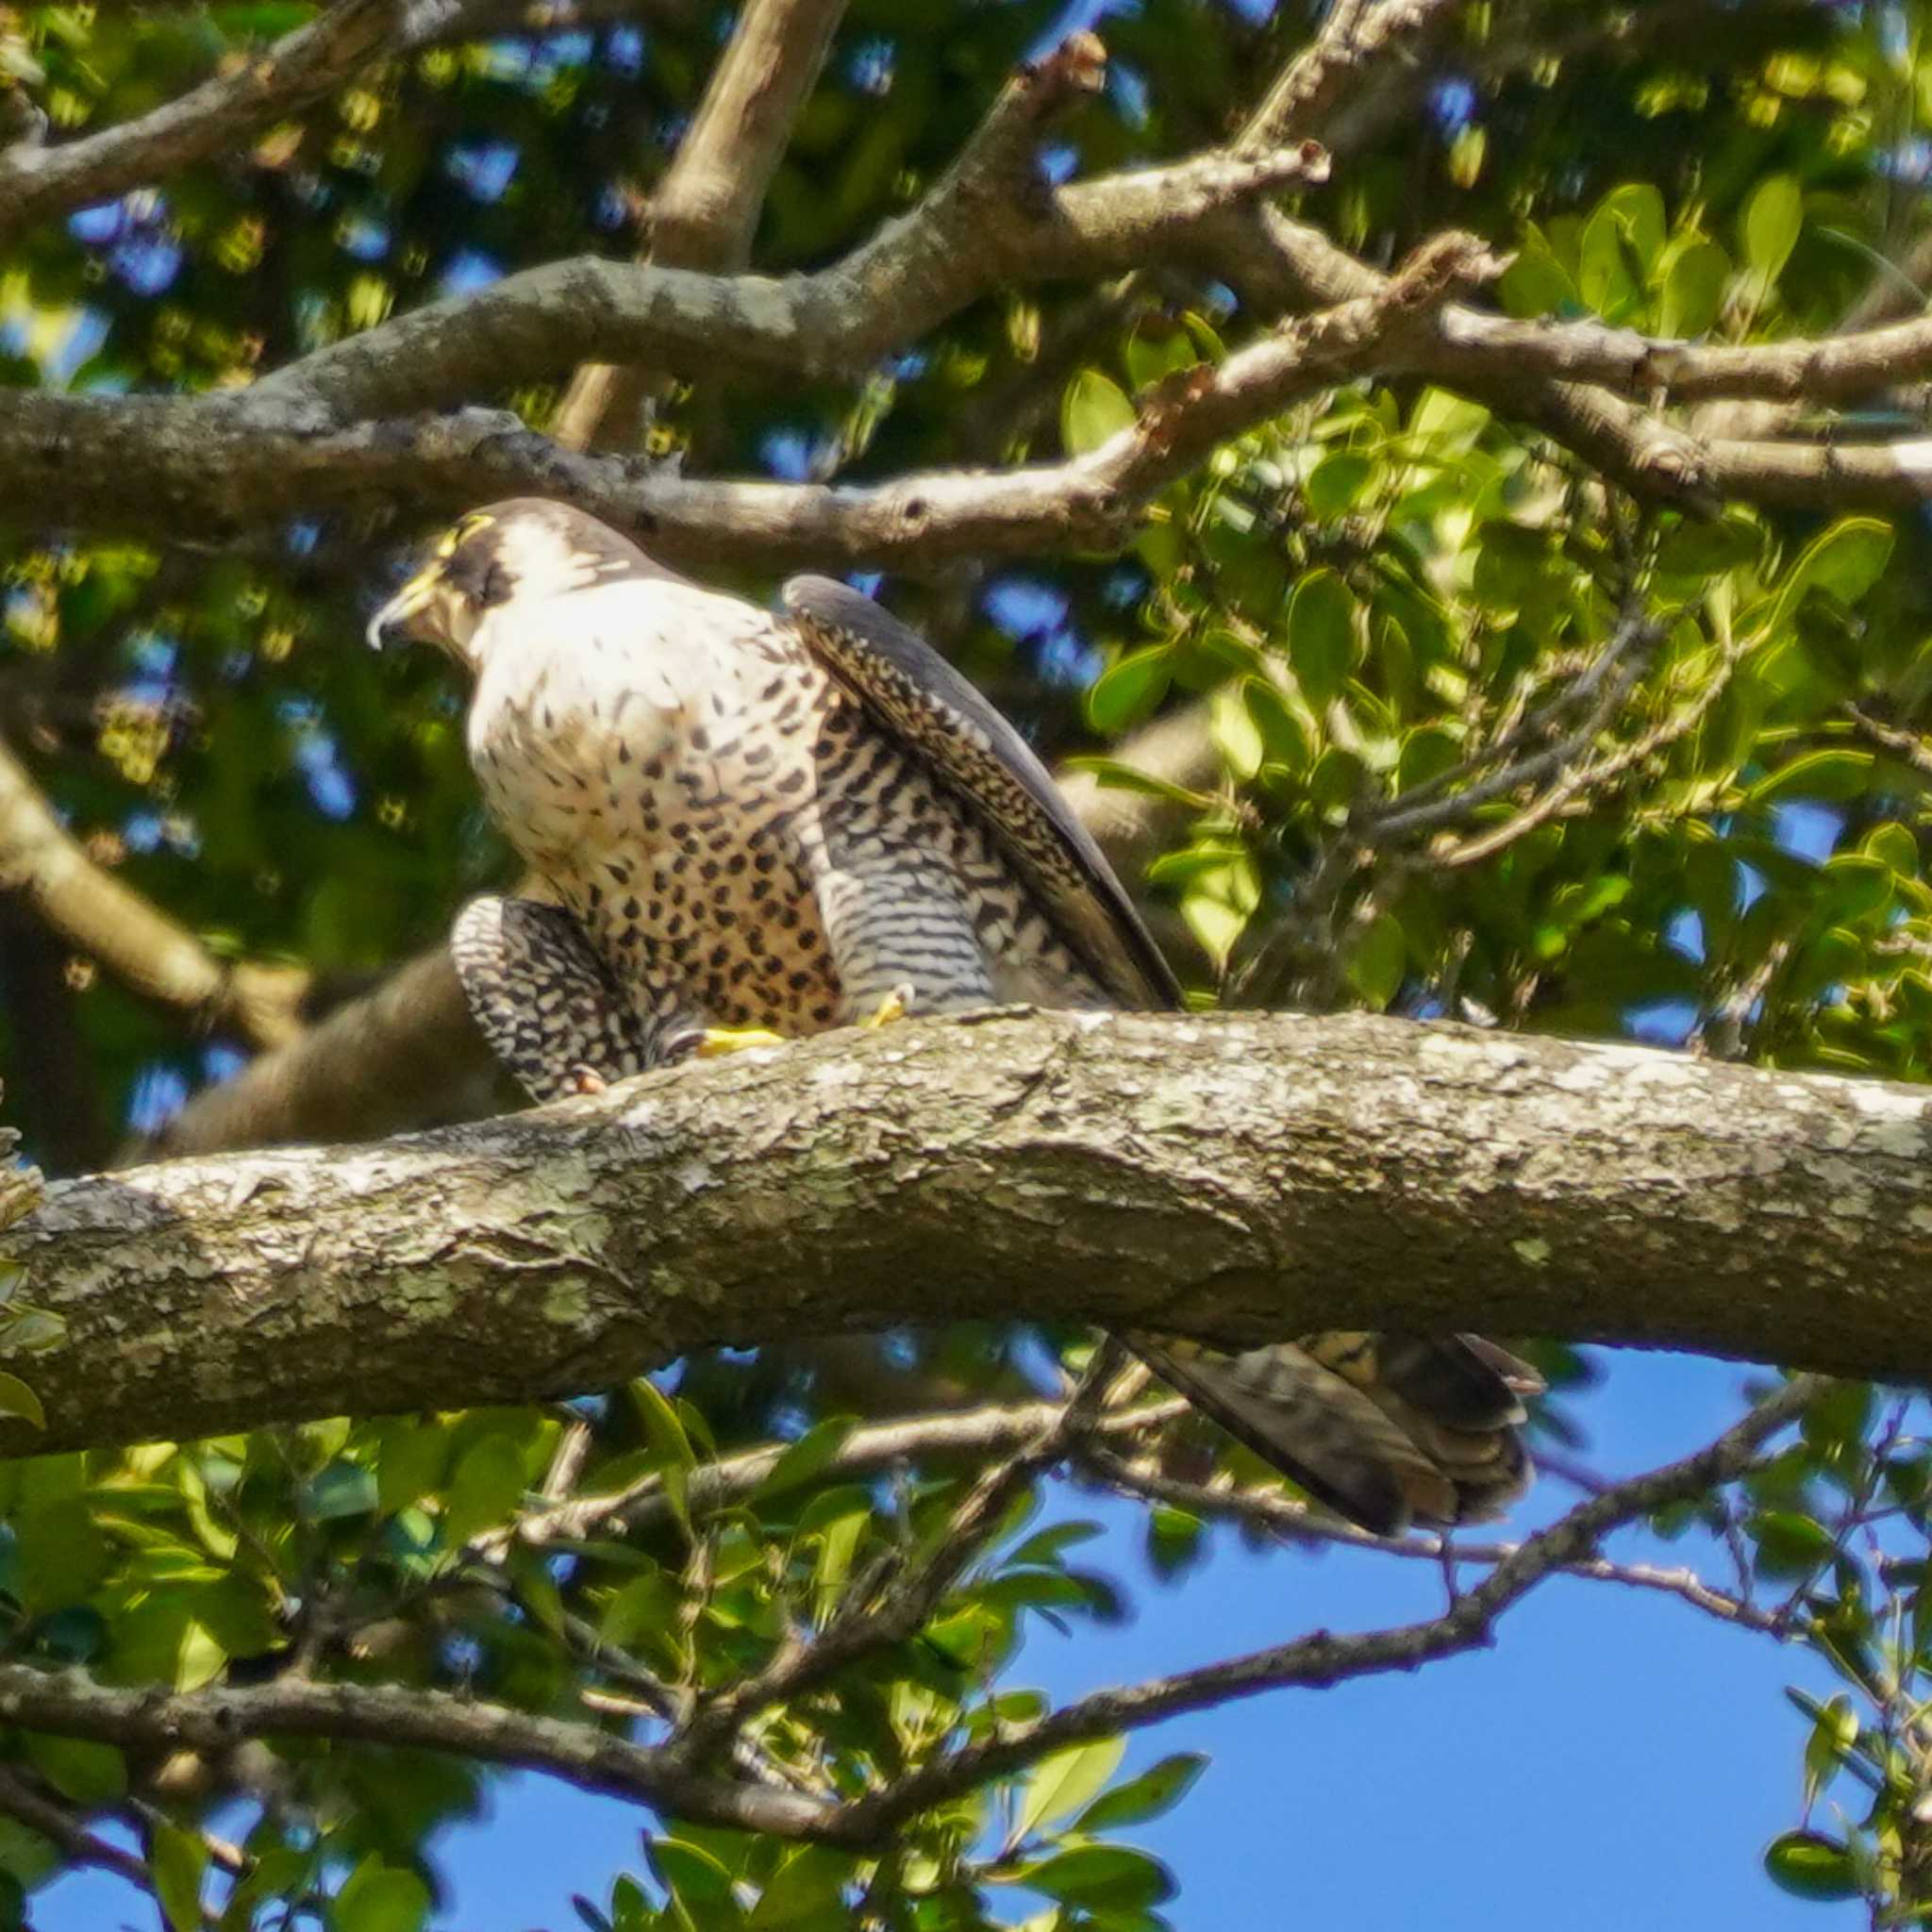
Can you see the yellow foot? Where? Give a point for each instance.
(895, 1005)
(715, 1041)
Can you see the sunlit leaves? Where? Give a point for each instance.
(1062, 1784)
(180, 1860)
(379, 1898)
(1321, 636)
(1772, 217)
(1093, 409)
(1155, 1793)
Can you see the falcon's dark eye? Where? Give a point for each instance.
(496, 588)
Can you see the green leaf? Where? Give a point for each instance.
(1833, 776)
(1061, 1784)
(88, 1773)
(1094, 408)
(1337, 482)
(1321, 636)
(1772, 217)
(1622, 240)
(344, 1489)
(17, 1399)
(179, 1860)
(61, 1552)
(1535, 283)
(485, 1490)
(806, 1458)
(1235, 735)
(379, 1898)
(1378, 959)
(1846, 561)
(26, 1855)
(1833, 1734)
(1427, 753)
(1894, 847)
(1110, 775)
(1693, 290)
(1156, 1791)
(1099, 1876)
(1047, 1546)
(1789, 1544)
(689, 1873)
(1810, 1865)
(1284, 740)
(1127, 690)
(1218, 903)
(409, 1461)
(805, 1895)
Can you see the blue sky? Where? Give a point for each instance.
(1617, 1759)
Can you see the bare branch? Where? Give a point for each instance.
(986, 220)
(56, 1822)
(1001, 1429)
(1356, 36)
(1323, 1660)
(1296, 1520)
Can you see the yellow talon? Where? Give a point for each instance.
(716, 1042)
(895, 1005)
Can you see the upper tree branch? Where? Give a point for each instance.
(210, 120)
(1236, 1178)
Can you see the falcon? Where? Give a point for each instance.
(751, 824)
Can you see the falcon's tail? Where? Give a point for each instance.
(1385, 1430)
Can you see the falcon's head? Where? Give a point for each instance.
(524, 550)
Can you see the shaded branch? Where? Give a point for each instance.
(1001, 1429)
(57, 1823)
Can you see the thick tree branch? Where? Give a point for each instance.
(986, 220)
(1235, 1177)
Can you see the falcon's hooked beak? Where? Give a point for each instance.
(411, 616)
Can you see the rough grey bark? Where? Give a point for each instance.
(1235, 1177)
